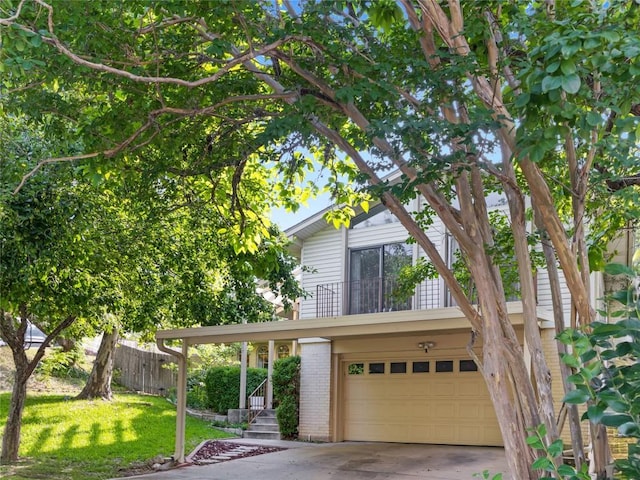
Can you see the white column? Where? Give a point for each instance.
(243, 376)
(242, 403)
(181, 407)
(269, 374)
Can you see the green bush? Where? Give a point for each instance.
(287, 415)
(196, 390)
(286, 392)
(61, 364)
(223, 386)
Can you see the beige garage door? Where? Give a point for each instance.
(441, 400)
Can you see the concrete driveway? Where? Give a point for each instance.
(349, 461)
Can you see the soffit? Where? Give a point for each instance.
(390, 323)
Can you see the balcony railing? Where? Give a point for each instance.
(377, 295)
(362, 296)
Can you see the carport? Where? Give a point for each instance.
(415, 322)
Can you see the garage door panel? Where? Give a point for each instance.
(449, 407)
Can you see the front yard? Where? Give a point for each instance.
(69, 439)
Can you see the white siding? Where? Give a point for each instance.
(324, 254)
(378, 235)
(544, 294)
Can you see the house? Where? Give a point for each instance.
(375, 367)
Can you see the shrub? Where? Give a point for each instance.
(223, 386)
(287, 415)
(62, 364)
(196, 390)
(286, 392)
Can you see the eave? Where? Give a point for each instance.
(388, 323)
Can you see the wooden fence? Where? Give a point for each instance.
(144, 370)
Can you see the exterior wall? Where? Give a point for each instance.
(377, 235)
(325, 253)
(315, 390)
(544, 294)
(549, 347)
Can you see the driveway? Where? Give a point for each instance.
(348, 461)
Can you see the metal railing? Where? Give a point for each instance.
(362, 296)
(257, 401)
(378, 295)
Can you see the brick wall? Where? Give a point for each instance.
(315, 397)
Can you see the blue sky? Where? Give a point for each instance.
(286, 219)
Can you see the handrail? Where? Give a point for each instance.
(256, 401)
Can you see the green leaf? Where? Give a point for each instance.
(551, 83)
(595, 412)
(576, 397)
(615, 420)
(534, 442)
(555, 448)
(570, 360)
(568, 67)
(619, 269)
(629, 429)
(566, 470)
(552, 67)
(594, 119)
(543, 463)
(571, 83)
(610, 36)
(522, 100)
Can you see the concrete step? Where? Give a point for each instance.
(264, 427)
(265, 420)
(267, 413)
(261, 435)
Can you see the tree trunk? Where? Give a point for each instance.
(99, 382)
(577, 442)
(11, 436)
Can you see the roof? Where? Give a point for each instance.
(389, 323)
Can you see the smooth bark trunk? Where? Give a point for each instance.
(15, 338)
(99, 382)
(13, 427)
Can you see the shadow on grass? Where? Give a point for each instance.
(94, 445)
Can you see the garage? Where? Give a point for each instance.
(425, 399)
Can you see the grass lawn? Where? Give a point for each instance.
(77, 439)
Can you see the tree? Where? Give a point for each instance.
(75, 252)
(52, 264)
(537, 101)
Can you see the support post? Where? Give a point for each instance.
(243, 377)
(269, 374)
(181, 404)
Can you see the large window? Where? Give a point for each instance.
(373, 277)
(262, 357)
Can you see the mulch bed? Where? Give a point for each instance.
(214, 451)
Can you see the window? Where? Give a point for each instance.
(263, 357)
(283, 351)
(373, 276)
(376, 368)
(420, 367)
(444, 366)
(398, 367)
(451, 250)
(356, 369)
(468, 366)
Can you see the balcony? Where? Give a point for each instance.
(363, 296)
(377, 295)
